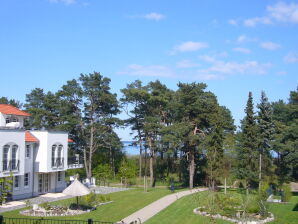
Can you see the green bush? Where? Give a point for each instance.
(287, 192)
(45, 205)
(89, 200)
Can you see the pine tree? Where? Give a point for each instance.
(247, 152)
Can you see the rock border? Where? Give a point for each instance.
(218, 216)
(41, 212)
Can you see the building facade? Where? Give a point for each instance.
(37, 159)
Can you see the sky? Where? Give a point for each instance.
(232, 46)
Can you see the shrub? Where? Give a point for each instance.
(287, 192)
(45, 205)
(89, 200)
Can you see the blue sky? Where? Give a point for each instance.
(233, 46)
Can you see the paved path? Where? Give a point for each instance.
(152, 209)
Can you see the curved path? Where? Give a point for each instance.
(152, 209)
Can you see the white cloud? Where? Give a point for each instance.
(291, 57)
(66, 2)
(284, 12)
(148, 71)
(154, 16)
(214, 69)
(269, 45)
(279, 12)
(254, 21)
(233, 22)
(208, 58)
(189, 46)
(243, 38)
(221, 69)
(186, 64)
(242, 50)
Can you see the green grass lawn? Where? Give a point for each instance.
(124, 204)
(182, 212)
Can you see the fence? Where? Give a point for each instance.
(4, 220)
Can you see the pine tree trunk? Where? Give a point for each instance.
(260, 171)
(89, 175)
(191, 168)
(145, 171)
(151, 170)
(140, 159)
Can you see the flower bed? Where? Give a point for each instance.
(248, 219)
(50, 210)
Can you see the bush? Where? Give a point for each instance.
(45, 205)
(89, 200)
(287, 192)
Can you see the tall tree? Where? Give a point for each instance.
(16, 103)
(156, 117)
(99, 104)
(220, 127)
(134, 101)
(285, 116)
(266, 131)
(195, 110)
(248, 146)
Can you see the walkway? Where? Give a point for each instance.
(149, 211)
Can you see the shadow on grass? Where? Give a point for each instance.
(295, 209)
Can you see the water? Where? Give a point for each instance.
(130, 149)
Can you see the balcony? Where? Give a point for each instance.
(58, 163)
(10, 165)
(75, 162)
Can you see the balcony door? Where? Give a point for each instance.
(44, 183)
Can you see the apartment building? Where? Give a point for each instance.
(37, 159)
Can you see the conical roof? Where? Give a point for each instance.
(76, 189)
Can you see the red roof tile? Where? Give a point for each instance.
(9, 109)
(69, 140)
(29, 137)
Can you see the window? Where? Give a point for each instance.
(7, 120)
(16, 181)
(5, 157)
(26, 179)
(59, 176)
(27, 151)
(14, 165)
(15, 119)
(59, 157)
(53, 155)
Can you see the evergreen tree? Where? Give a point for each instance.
(247, 153)
(265, 135)
(135, 96)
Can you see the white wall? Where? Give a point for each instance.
(43, 162)
(13, 137)
(2, 120)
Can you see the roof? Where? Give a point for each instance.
(29, 137)
(69, 140)
(9, 109)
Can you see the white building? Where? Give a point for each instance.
(37, 160)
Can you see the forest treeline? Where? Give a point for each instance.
(183, 135)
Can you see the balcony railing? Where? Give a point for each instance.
(75, 162)
(58, 163)
(10, 165)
